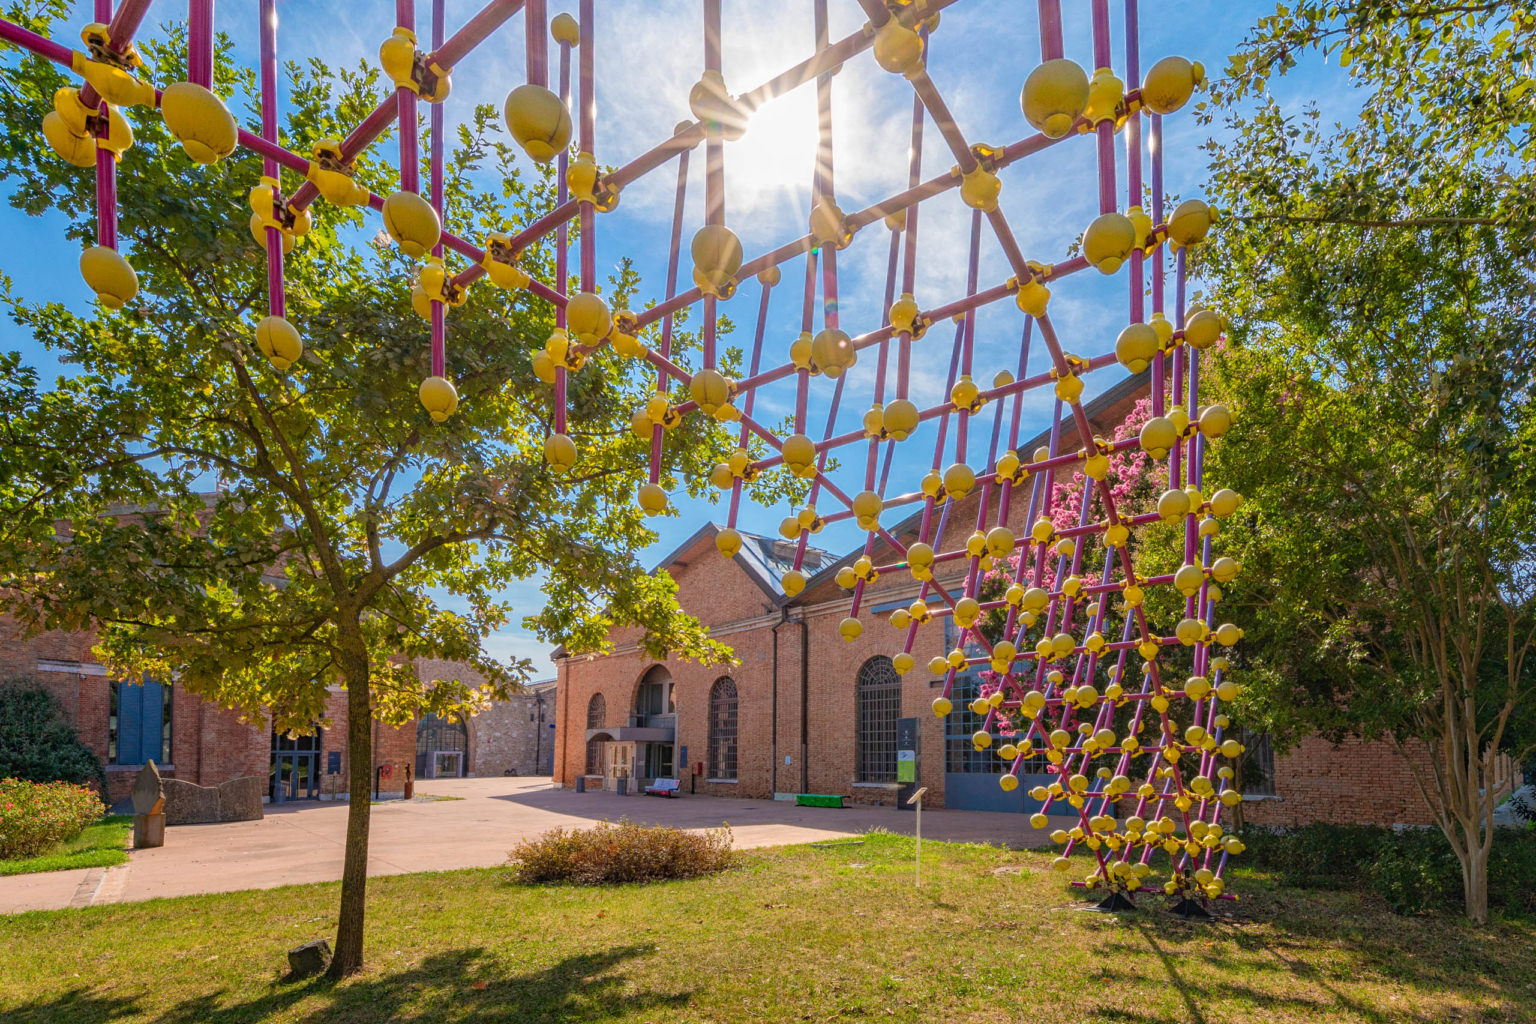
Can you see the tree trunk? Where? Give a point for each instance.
(348, 956)
(1474, 882)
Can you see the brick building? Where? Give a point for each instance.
(805, 711)
(197, 741)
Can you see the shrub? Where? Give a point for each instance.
(608, 854)
(1413, 870)
(37, 815)
(36, 742)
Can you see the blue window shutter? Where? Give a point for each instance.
(152, 722)
(130, 721)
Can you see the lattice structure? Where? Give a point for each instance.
(1068, 687)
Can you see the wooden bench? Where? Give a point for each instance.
(663, 787)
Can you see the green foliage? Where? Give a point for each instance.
(37, 743)
(100, 845)
(37, 815)
(609, 854)
(1411, 870)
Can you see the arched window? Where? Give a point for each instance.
(597, 715)
(722, 729)
(878, 696)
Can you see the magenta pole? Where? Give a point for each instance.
(1050, 30)
(106, 164)
(536, 42)
(200, 42)
(439, 324)
(586, 64)
(475, 31)
(410, 159)
(276, 300)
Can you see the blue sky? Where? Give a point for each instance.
(649, 52)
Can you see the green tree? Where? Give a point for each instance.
(264, 535)
(37, 743)
(1378, 276)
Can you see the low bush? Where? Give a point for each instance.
(1412, 870)
(609, 854)
(35, 816)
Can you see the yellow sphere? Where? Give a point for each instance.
(900, 419)
(959, 479)
(1009, 783)
(1000, 542)
(1197, 688)
(1228, 634)
(412, 223)
(941, 705)
(710, 390)
(1202, 328)
(279, 341)
(722, 477)
(560, 452)
(1215, 421)
(587, 318)
(109, 276)
(1188, 580)
(1158, 436)
(76, 149)
(833, 352)
(903, 663)
(539, 122)
(439, 397)
(199, 120)
(800, 455)
(716, 256)
(1136, 346)
(1173, 504)
(1055, 95)
(966, 611)
(793, 582)
(850, 628)
(565, 29)
(1190, 223)
(1169, 83)
(867, 505)
(981, 739)
(1108, 241)
(1190, 631)
(728, 542)
(898, 49)
(653, 500)
(1224, 502)
(722, 115)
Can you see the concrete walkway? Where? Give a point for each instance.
(304, 842)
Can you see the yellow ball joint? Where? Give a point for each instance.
(1032, 295)
(407, 67)
(1169, 83)
(538, 122)
(721, 114)
(710, 390)
(412, 223)
(67, 129)
(800, 455)
(1106, 98)
(560, 453)
(980, 186)
(716, 259)
(1054, 97)
(107, 70)
(279, 341)
(1136, 346)
(587, 318)
(500, 263)
(109, 276)
(200, 121)
(898, 49)
(439, 397)
(866, 509)
(900, 419)
(1203, 328)
(332, 175)
(1108, 242)
(832, 350)
(1190, 223)
(828, 226)
(728, 542)
(653, 500)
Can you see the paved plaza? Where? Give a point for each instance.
(303, 842)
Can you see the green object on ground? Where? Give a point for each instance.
(818, 800)
(100, 845)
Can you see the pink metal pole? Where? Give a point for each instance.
(276, 301)
(714, 172)
(475, 31)
(410, 157)
(536, 35)
(1050, 30)
(439, 325)
(200, 42)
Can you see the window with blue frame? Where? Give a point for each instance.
(139, 723)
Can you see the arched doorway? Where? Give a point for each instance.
(442, 748)
(655, 711)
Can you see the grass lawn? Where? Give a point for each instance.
(100, 845)
(793, 934)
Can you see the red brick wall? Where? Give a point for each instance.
(1355, 781)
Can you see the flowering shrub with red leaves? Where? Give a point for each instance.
(37, 815)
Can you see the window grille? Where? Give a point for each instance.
(879, 705)
(597, 714)
(722, 728)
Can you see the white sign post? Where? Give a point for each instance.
(917, 799)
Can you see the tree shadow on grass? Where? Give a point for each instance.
(465, 986)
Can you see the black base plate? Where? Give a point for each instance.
(1189, 910)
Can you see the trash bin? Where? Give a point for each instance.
(623, 785)
(581, 783)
